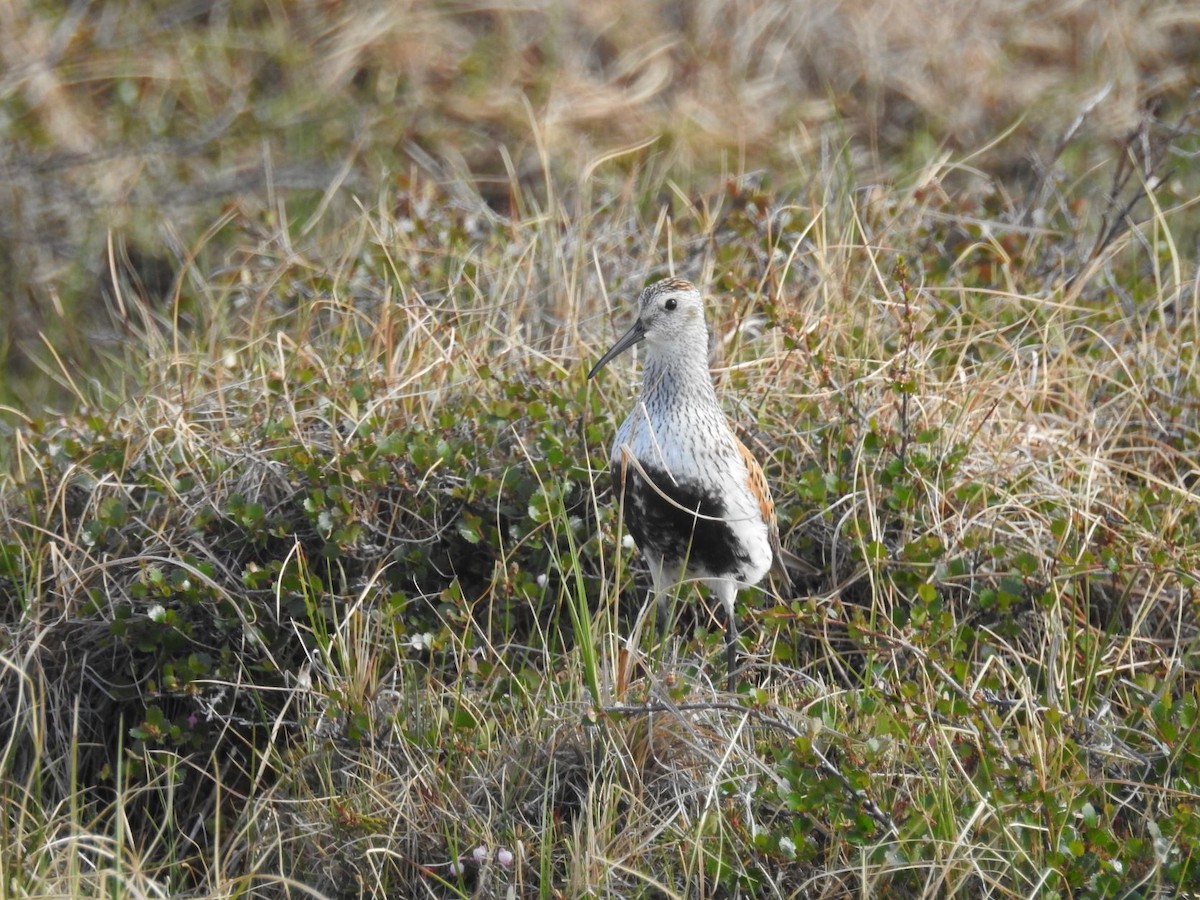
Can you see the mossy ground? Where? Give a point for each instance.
(310, 579)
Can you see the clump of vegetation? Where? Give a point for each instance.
(317, 586)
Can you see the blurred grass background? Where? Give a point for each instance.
(139, 141)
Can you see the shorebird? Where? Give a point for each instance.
(695, 499)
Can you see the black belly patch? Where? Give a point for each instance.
(671, 529)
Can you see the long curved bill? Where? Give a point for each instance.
(635, 335)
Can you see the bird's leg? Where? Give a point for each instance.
(728, 593)
(731, 652)
(664, 585)
(664, 614)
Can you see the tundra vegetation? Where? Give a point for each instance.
(311, 584)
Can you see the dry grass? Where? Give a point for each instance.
(163, 127)
(318, 590)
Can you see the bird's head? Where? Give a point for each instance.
(670, 320)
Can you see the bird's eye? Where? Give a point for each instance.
(670, 305)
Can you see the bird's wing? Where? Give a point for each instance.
(762, 493)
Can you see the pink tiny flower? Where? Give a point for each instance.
(504, 857)
(480, 854)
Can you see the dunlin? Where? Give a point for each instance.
(695, 499)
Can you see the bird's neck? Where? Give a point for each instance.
(677, 382)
